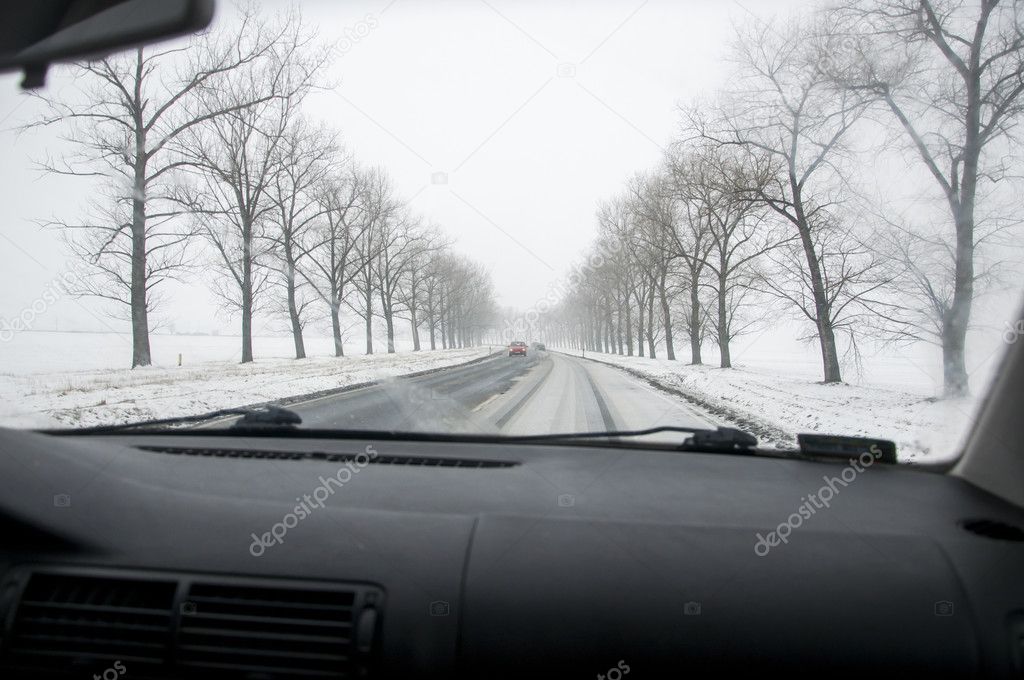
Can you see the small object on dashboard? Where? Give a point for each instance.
(720, 439)
(881, 450)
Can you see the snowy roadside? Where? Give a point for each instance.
(102, 397)
(776, 406)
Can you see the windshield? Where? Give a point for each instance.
(524, 218)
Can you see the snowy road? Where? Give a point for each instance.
(543, 393)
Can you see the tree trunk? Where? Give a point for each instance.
(695, 323)
(139, 308)
(650, 326)
(822, 309)
(954, 369)
(666, 314)
(247, 317)
(139, 293)
(723, 322)
(415, 330)
(957, 320)
(629, 328)
(246, 291)
(387, 307)
(829, 354)
(609, 328)
(339, 348)
(641, 325)
(369, 319)
(618, 332)
(389, 320)
(443, 329)
(293, 315)
(431, 318)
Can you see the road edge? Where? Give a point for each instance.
(768, 433)
(335, 391)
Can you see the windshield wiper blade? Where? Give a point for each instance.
(722, 439)
(274, 417)
(272, 420)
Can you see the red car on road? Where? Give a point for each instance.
(517, 348)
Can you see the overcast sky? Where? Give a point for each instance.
(531, 112)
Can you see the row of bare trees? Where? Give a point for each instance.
(206, 162)
(680, 250)
(762, 197)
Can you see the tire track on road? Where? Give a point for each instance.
(745, 421)
(602, 405)
(503, 420)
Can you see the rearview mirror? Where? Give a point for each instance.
(37, 33)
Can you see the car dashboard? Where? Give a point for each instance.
(274, 557)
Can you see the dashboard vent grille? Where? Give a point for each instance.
(77, 623)
(418, 461)
(989, 528)
(66, 622)
(272, 632)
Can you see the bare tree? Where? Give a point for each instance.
(923, 262)
(623, 273)
(792, 122)
(235, 159)
(434, 274)
(380, 208)
(334, 250)
(692, 238)
(414, 284)
(400, 245)
(103, 241)
(715, 185)
(951, 72)
(124, 120)
(306, 154)
(468, 306)
(857, 280)
(657, 214)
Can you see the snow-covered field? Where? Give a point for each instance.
(777, 399)
(79, 379)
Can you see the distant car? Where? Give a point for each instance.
(517, 348)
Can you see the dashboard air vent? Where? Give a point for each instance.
(418, 461)
(269, 632)
(84, 623)
(995, 529)
(77, 623)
